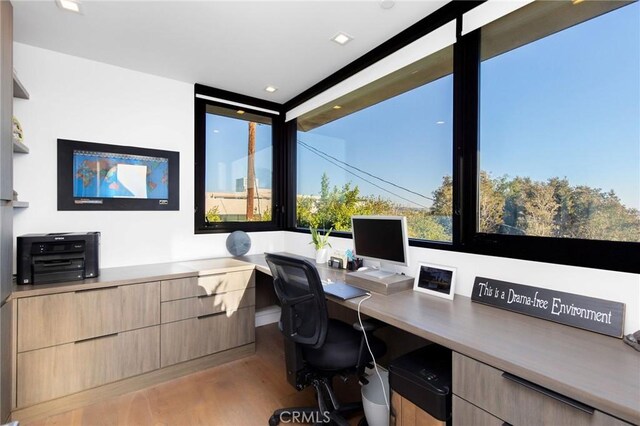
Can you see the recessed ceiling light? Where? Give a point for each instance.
(337, 107)
(440, 122)
(577, 1)
(216, 131)
(387, 4)
(240, 111)
(270, 89)
(342, 38)
(70, 5)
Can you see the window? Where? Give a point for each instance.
(559, 129)
(385, 149)
(545, 137)
(235, 171)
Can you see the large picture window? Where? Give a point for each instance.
(559, 127)
(385, 156)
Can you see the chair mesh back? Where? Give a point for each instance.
(297, 284)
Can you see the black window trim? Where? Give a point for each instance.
(279, 149)
(608, 255)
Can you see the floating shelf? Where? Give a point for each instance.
(20, 147)
(20, 204)
(18, 89)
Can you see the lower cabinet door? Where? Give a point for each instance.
(468, 414)
(207, 334)
(61, 370)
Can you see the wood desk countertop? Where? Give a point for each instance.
(597, 370)
(594, 369)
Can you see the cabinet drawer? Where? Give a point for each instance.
(196, 337)
(517, 403)
(468, 414)
(62, 318)
(61, 370)
(176, 310)
(206, 285)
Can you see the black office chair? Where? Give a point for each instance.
(317, 348)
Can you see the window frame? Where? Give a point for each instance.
(609, 255)
(233, 100)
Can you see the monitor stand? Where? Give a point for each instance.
(383, 271)
(380, 273)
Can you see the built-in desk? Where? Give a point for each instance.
(594, 369)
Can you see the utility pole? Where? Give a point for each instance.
(251, 172)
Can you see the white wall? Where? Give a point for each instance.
(73, 98)
(78, 99)
(609, 285)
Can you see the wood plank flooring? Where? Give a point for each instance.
(242, 392)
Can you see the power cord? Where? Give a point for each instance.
(375, 365)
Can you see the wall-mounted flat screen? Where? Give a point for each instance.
(95, 176)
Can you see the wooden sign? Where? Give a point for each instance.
(589, 313)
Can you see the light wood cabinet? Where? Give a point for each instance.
(516, 401)
(80, 340)
(55, 319)
(192, 307)
(406, 413)
(204, 335)
(73, 367)
(207, 285)
(468, 414)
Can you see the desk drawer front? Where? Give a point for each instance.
(60, 370)
(206, 285)
(176, 310)
(468, 414)
(200, 336)
(485, 387)
(63, 318)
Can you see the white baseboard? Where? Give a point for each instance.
(268, 315)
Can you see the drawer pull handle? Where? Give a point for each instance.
(96, 289)
(211, 315)
(204, 296)
(551, 394)
(96, 338)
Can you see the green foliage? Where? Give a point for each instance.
(334, 207)
(318, 240)
(517, 206)
(553, 208)
(213, 215)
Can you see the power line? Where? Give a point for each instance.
(364, 171)
(320, 154)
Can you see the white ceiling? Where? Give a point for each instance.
(241, 46)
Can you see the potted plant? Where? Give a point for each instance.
(320, 242)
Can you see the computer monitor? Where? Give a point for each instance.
(383, 239)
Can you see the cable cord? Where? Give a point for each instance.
(375, 365)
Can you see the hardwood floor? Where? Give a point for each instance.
(242, 392)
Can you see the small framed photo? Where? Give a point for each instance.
(437, 280)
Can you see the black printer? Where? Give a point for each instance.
(57, 257)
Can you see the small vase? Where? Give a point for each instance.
(322, 255)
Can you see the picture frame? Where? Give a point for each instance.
(436, 280)
(96, 176)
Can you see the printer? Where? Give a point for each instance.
(57, 257)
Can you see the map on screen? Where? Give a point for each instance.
(112, 175)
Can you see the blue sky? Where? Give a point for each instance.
(564, 106)
(227, 153)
